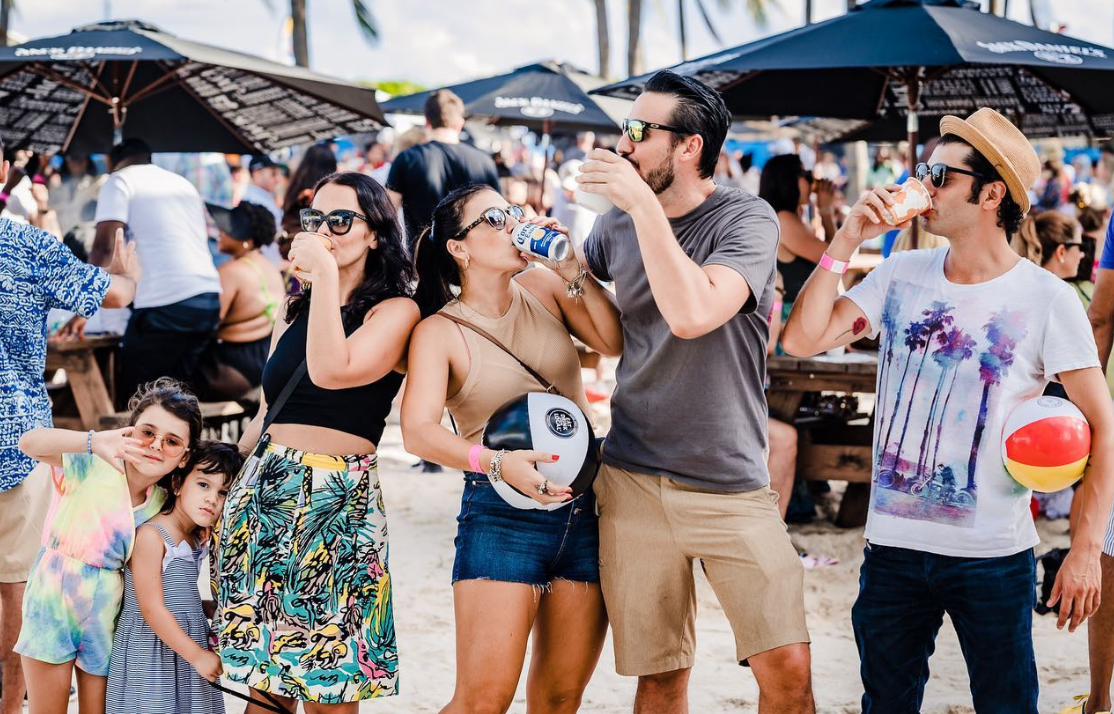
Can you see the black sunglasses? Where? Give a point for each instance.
(495, 217)
(938, 173)
(635, 129)
(340, 221)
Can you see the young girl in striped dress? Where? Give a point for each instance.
(105, 490)
(161, 656)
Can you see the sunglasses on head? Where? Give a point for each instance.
(938, 173)
(635, 129)
(495, 217)
(172, 446)
(339, 222)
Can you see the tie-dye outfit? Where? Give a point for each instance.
(303, 589)
(74, 592)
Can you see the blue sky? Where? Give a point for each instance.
(436, 42)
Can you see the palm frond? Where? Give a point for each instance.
(708, 21)
(366, 21)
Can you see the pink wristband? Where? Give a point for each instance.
(474, 458)
(775, 310)
(839, 267)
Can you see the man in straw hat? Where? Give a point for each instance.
(967, 333)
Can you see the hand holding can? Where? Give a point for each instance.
(541, 241)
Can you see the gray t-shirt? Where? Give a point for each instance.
(692, 410)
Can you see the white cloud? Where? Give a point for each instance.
(444, 41)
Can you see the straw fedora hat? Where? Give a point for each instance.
(1003, 145)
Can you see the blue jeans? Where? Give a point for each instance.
(496, 541)
(903, 595)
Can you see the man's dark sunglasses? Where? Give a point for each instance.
(938, 173)
(635, 129)
(495, 217)
(340, 221)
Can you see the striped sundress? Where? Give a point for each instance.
(147, 677)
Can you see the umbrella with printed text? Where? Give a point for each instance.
(86, 90)
(546, 97)
(887, 64)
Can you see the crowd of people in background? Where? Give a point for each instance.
(311, 288)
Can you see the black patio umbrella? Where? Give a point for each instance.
(546, 97)
(888, 63)
(84, 90)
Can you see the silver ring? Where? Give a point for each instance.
(543, 488)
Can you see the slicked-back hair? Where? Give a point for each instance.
(700, 110)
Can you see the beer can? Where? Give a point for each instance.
(542, 242)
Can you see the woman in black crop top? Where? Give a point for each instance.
(301, 574)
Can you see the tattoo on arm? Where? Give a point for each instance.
(856, 328)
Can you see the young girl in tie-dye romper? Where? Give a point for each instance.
(105, 489)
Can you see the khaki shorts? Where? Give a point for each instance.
(651, 530)
(23, 511)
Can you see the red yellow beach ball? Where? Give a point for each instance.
(1046, 444)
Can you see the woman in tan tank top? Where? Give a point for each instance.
(515, 571)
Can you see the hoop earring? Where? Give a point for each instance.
(467, 261)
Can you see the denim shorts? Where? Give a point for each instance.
(496, 541)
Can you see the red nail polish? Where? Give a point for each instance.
(556, 457)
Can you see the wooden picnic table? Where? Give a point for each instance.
(839, 452)
(87, 362)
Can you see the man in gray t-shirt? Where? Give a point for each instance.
(692, 410)
(684, 475)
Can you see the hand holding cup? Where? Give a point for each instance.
(311, 255)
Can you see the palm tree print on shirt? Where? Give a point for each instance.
(932, 418)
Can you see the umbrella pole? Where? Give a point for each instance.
(119, 113)
(546, 125)
(912, 127)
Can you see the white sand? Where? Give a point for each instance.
(422, 510)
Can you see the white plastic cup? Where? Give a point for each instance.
(594, 202)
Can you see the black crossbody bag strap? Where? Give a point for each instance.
(291, 384)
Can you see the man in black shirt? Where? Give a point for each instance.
(424, 174)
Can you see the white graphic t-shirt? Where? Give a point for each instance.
(953, 361)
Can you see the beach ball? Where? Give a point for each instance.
(1046, 444)
(551, 423)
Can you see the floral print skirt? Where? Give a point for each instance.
(301, 580)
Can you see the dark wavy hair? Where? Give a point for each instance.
(438, 272)
(699, 110)
(388, 271)
(317, 163)
(778, 185)
(1010, 214)
(262, 223)
(210, 457)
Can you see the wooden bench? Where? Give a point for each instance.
(832, 452)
